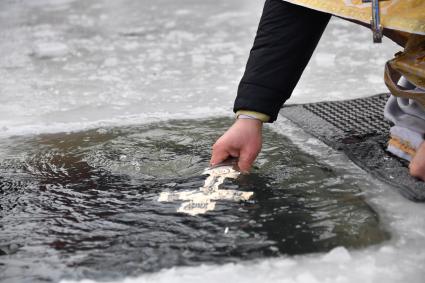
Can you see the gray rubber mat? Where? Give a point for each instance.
(357, 127)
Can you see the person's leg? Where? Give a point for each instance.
(407, 134)
(406, 107)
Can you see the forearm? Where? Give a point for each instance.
(286, 38)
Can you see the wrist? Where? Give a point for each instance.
(249, 123)
(252, 115)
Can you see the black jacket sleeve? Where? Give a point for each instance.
(286, 38)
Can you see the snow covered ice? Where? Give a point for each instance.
(75, 65)
(50, 49)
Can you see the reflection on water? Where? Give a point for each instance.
(86, 204)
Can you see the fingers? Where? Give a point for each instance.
(243, 139)
(246, 160)
(218, 155)
(417, 165)
(222, 151)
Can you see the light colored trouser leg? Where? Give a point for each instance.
(408, 117)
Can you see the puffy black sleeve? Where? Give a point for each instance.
(286, 38)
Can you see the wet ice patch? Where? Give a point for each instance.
(46, 3)
(45, 32)
(226, 59)
(325, 59)
(375, 79)
(110, 62)
(198, 60)
(14, 59)
(182, 12)
(50, 49)
(223, 17)
(81, 20)
(130, 45)
(180, 35)
(337, 255)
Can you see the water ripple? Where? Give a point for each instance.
(85, 204)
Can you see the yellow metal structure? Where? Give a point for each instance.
(402, 15)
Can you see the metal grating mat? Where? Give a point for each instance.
(363, 116)
(357, 127)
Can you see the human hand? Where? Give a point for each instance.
(243, 140)
(417, 165)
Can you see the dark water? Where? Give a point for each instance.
(85, 204)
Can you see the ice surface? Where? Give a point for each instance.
(109, 63)
(337, 255)
(50, 49)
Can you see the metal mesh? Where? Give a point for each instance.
(357, 127)
(361, 116)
